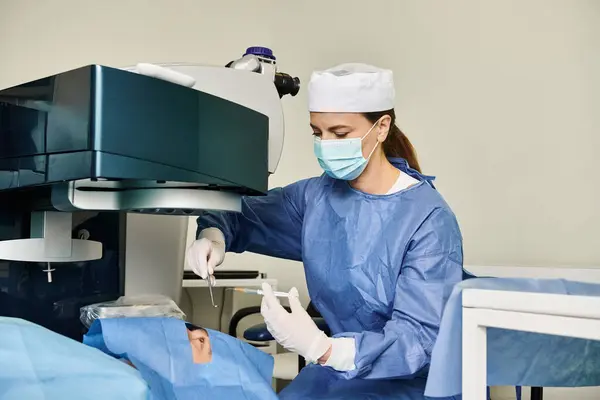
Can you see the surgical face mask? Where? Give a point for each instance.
(343, 158)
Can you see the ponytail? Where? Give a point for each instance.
(396, 144)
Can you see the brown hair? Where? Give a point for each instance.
(396, 144)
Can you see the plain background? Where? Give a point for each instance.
(500, 98)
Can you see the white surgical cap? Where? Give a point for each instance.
(353, 88)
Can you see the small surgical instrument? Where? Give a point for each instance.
(210, 289)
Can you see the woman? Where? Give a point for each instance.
(381, 249)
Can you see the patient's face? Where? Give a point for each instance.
(201, 352)
(200, 343)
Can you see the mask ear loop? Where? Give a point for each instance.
(369, 131)
(367, 134)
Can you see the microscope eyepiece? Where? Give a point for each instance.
(285, 84)
(262, 60)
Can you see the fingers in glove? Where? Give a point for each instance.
(269, 314)
(197, 257)
(294, 300)
(271, 308)
(264, 308)
(269, 297)
(202, 255)
(212, 260)
(189, 259)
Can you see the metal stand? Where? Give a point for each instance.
(50, 242)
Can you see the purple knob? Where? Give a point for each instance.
(260, 52)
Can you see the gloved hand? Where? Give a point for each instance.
(207, 252)
(295, 331)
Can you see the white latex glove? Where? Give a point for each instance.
(295, 331)
(207, 252)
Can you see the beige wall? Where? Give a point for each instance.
(501, 98)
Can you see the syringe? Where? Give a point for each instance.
(260, 292)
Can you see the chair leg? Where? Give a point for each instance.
(537, 393)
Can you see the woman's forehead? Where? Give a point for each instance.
(328, 120)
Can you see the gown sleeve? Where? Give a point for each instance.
(431, 267)
(270, 225)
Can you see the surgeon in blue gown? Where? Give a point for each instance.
(381, 248)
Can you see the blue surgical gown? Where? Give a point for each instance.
(379, 268)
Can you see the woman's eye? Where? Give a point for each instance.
(341, 134)
(318, 134)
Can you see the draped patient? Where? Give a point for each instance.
(178, 360)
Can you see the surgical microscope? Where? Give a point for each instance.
(83, 151)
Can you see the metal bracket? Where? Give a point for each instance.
(50, 242)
